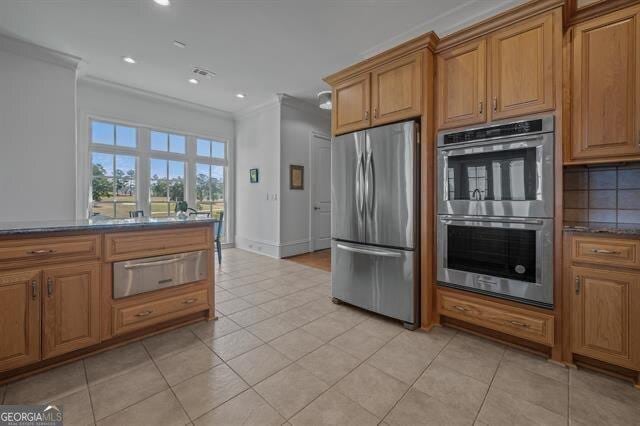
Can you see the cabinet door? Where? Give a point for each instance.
(605, 114)
(461, 80)
(397, 90)
(19, 319)
(71, 308)
(351, 101)
(522, 79)
(605, 311)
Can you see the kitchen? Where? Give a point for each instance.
(484, 250)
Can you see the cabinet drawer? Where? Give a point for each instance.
(529, 325)
(130, 317)
(132, 245)
(32, 251)
(606, 251)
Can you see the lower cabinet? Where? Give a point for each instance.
(605, 313)
(19, 319)
(71, 308)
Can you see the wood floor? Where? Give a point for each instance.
(318, 259)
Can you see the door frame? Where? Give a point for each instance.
(312, 136)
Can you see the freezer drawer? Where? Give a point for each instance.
(155, 273)
(377, 279)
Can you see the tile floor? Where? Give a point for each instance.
(282, 353)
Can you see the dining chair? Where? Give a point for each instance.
(218, 232)
(136, 213)
(194, 212)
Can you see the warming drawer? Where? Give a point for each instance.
(155, 273)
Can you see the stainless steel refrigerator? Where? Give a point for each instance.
(374, 220)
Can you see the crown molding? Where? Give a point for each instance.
(275, 100)
(12, 44)
(154, 96)
(425, 41)
(302, 105)
(576, 15)
(501, 20)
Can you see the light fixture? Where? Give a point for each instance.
(324, 99)
(193, 81)
(162, 2)
(240, 95)
(129, 59)
(179, 44)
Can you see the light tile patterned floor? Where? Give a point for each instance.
(282, 352)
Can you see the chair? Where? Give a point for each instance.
(218, 232)
(194, 212)
(136, 213)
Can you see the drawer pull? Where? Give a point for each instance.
(144, 314)
(518, 324)
(41, 251)
(49, 287)
(603, 251)
(189, 301)
(34, 289)
(460, 308)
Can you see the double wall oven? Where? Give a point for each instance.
(495, 210)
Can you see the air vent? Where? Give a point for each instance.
(203, 72)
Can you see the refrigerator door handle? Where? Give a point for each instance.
(382, 253)
(369, 183)
(360, 185)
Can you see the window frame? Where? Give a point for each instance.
(144, 153)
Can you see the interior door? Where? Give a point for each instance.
(347, 187)
(71, 308)
(19, 319)
(320, 192)
(390, 185)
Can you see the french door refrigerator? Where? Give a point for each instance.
(374, 181)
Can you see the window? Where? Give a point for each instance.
(166, 186)
(139, 168)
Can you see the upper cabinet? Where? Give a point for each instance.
(516, 63)
(522, 68)
(605, 86)
(351, 104)
(396, 90)
(461, 85)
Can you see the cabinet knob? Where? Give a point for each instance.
(366, 115)
(375, 113)
(495, 104)
(578, 282)
(481, 107)
(49, 287)
(34, 289)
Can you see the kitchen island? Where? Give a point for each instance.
(59, 300)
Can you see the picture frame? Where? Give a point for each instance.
(254, 175)
(296, 177)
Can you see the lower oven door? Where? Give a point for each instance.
(505, 257)
(154, 273)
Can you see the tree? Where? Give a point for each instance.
(101, 186)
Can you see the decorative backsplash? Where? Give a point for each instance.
(608, 193)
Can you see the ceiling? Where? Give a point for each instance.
(257, 47)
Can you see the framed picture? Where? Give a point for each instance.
(296, 177)
(253, 175)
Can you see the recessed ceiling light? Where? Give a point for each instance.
(129, 59)
(193, 81)
(162, 2)
(240, 95)
(179, 44)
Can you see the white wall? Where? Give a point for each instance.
(38, 132)
(100, 99)
(257, 204)
(271, 218)
(299, 120)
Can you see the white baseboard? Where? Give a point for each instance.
(271, 248)
(294, 248)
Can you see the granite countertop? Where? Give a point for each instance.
(632, 229)
(34, 227)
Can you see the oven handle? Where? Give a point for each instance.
(370, 252)
(501, 220)
(513, 143)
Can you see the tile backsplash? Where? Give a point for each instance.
(609, 193)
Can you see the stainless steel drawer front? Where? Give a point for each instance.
(155, 273)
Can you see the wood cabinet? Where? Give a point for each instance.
(461, 85)
(605, 312)
(19, 319)
(605, 88)
(71, 308)
(516, 64)
(397, 90)
(522, 78)
(351, 102)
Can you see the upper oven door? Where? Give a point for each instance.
(511, 177)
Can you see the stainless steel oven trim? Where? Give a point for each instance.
(548, 126)
(540, 293)
(541, 207)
